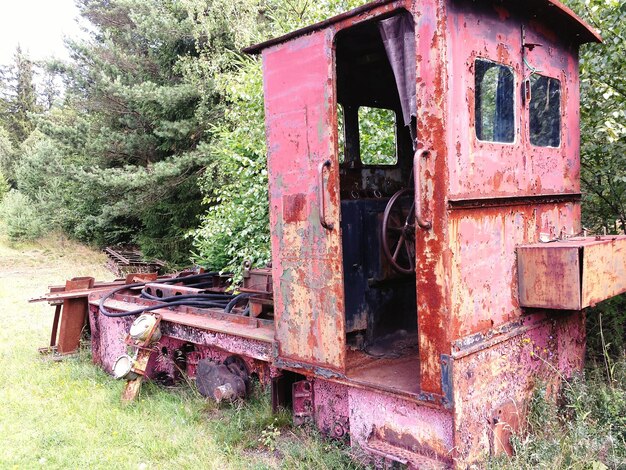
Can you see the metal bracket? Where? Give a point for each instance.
(447, 380)
(302, 402)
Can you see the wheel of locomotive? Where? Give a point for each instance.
(238, 366)
(398, 231)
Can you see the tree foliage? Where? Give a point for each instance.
(162, 120)
(603, 153)
(18, 103)
(235, 227)
(7, 153)
(603, 116)
(19, 98)
(117, 159)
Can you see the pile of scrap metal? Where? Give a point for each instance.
(123, 260)
(130, 319)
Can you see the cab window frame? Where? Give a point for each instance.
(344, 138)
(476, 110)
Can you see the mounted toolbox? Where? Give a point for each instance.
(571, 274)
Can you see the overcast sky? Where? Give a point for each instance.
(38, 26)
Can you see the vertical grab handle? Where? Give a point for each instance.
(321, 195)
(419, 219)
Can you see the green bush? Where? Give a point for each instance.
(236, 225)
(20, 217)
(4, 186)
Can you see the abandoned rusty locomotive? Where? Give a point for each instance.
(416, 294)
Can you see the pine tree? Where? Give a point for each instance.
(19, 100)
(129, 127)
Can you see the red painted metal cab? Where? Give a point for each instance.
(412, 147)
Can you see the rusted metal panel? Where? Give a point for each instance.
(401, 423)
(488, 379)
(213, 320)
(549, 276)
(304, 192)
(484, 273)
(73, 316)
(572, 274)
(433, 258)
(332, 414)
(108, 336)
(604, 269)
(501, 195)
(506, 421)
(303, 397)
(493, 31)
(167, 290)
(55, 325)
(548, 9)
(258, 282)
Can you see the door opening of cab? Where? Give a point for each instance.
(375, 89)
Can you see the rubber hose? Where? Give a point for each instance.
(215, 297)
(142, 310)
(106, 313)
(234, 302)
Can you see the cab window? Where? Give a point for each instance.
(545, 111)
(377, 136)
(494, 103)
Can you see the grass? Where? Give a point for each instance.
(68, 414)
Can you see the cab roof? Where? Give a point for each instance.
(551, 12)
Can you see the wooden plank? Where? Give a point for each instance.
(132, 387)
(117, 255)
(73, 316)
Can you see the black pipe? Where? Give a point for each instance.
(225, 301)
(235, 301)
(184, 279)
(216, 297)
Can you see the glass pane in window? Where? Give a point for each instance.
(494, 106)
(377, 136)
(545, 111)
